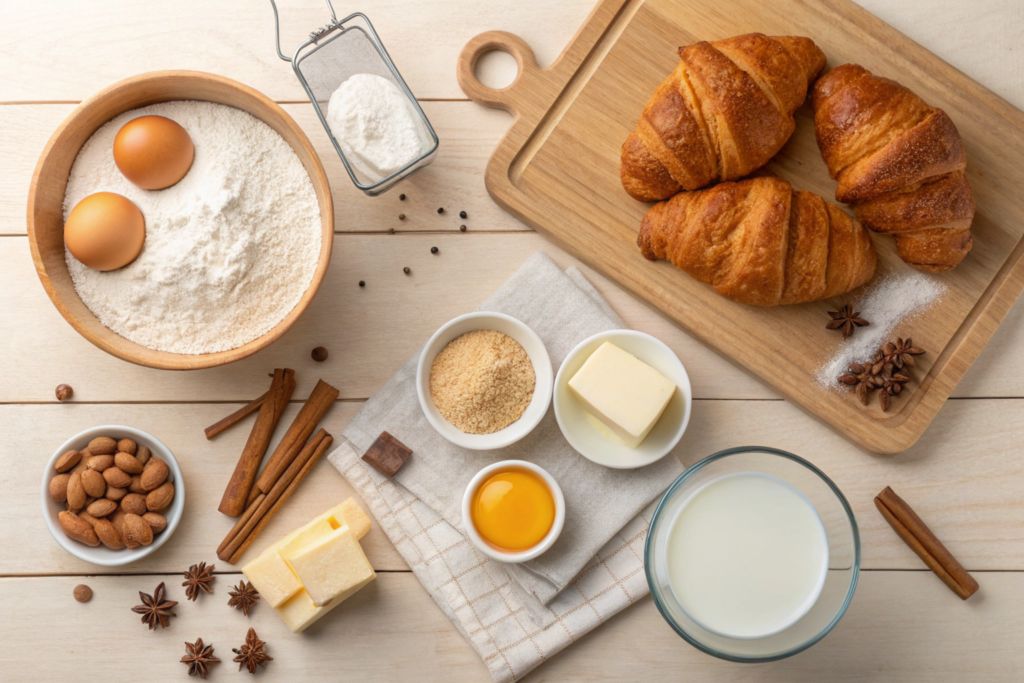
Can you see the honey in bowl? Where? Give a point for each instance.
(513, 510)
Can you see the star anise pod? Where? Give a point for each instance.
(251, 654)
(880, 366)
(155, 610)
(892, 385)
(846, 319)
(198, 657)
(198, 578)
(901, 354)
(863, 378)
(243, 597)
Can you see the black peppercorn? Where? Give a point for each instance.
(362, 283)
(462, 214)
(319, 354)
(441, 210)
(401, 216)
(401, 197)
(462, 228)
(64, 392)
(433, 250)
(406, 270)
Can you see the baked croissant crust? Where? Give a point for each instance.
(724, 112)
(760, 243)
(899, 163)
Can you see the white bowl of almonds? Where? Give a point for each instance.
(112, 495)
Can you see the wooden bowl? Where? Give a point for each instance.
(46, 202)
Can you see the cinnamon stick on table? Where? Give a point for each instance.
(266, 506)
(922, 541)
(237, 492)
(235, 417)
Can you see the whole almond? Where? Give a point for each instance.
(117, 519)
(136, 532)
(68, 460)
(127, 463)
(135, 503)
(84, 514)
(101, 507)
(136, 484)
(78, 529)
(83, 464)
(142, 454)
(160, 497)
(115, 494)
(127, 446)
(94, 483)
(156, 521)
(117, 477)
(101, 462)
(107, 534)
(102, 445)
(154, 474)
(76, 492)
(59, 488)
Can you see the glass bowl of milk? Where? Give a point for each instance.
(753, 555)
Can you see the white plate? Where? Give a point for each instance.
(101, 554)
(534, 348)
(584, 437)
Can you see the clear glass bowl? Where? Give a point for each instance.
(843, 545)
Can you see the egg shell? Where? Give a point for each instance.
(153, 152)
(105, 231)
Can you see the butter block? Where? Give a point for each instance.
(625, 394)
(332, 566)
(299, 612)
(270, 573)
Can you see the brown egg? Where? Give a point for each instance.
(153, 152)
(105, 231)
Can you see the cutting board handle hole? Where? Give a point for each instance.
(493, 79)
(496, 69)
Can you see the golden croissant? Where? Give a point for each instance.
(724, 112)
(899, 163)
(760, 243)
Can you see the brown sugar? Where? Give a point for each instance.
(482, 381)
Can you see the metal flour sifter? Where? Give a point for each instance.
(332, 54)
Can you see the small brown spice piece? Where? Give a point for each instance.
(319, 354)
(406, 270)
(198, 657)
(433, 250)
(243, 597)
(401, 216)
(462, 228)
(462, 215)
(892, 386)
(862, 377)
(362, 283)
(199, 577)
(901, 354)
(847, 320)
(64, 392)
(387, 454)
(401, 197)
(440, 210)
(155, 610)
(82, 593)
(251, 653)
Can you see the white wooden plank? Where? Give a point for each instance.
(966, 489)
(454, 181)
(901, 626)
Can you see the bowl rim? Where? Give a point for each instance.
(134, 352)
(686, 390)
(523, 555)
(658, 515)
(503, 437)
(124, 556)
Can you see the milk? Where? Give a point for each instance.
(747, 555)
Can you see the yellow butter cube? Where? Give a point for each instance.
(299, 612)
(332, 566)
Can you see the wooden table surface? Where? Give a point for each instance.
(965, 476)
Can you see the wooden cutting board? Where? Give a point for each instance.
(557, 169)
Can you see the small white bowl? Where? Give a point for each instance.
(101, 554)
(584, 437)
(534, 348)
(525, 555)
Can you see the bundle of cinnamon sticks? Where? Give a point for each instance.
(256, 500)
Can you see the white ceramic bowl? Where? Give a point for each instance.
(584, 437)
(525, 555)
(534, 348)
(101, 554)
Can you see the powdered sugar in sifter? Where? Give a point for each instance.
(337, 51)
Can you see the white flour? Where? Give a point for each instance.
(889, 301)
(375, 125)
(229, 250)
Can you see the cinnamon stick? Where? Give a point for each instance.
(235, 417)
(266, 508)
(233, 502)
(240, 524)
(313, 411)
(922, 541)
